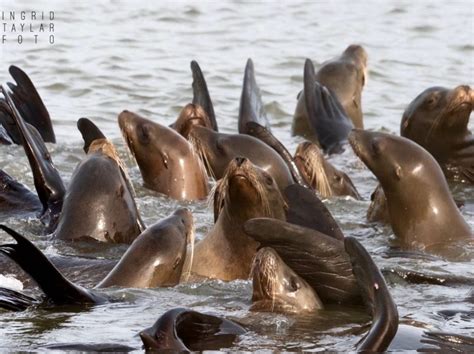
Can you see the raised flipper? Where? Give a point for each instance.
(376, 297)
(305, 209)
(55, 286)
(317, 258)
(30, 105)
(186, 330)
(251, 105)
(48, 182)
(325, 113)
(260, 132)
(15, 198)
(13, 300)
(201, 93)
(89, 132)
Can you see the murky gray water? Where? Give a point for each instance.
(136, 56)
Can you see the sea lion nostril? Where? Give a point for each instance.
(240, 160)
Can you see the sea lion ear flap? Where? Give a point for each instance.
(201, 94)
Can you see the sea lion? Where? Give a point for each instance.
(260, 132)
(345, 77)
(277, 288)
(438, 119)
(167, 161)
(157, 256)
(16, 198)
(184, 330)
(422, 211)
(191, 114)
(29, 104)
(98, 202)
(55, 286)
(319, 259)
(307, 210)
(246, 191)
(48, 182)
(251, 106)
(320, 174)
(321, 118)
(217, 150)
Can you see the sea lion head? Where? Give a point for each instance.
(216, 150)
(167, 161)
(191, 114)
(246, 191)
(438, 118)
(277, 288)
(394, 160)
(321, 175)
(422, 210)
(359, 57)
(358, 54)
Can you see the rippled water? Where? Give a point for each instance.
(116, 55)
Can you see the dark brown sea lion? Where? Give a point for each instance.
(422, 211)
(277, 288)
(320, 174)
(15, 198)
(48, 182)
(306, 209)
(167, 161)
(29, 104)
(183, 330)
(318, 258)
(345, 78)
(217, 150)
(157, 256)
(333, 267)
(251, 106)
(245, 192)
(321, 119)
(98, 203)
(438, 120)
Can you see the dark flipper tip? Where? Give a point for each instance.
(89, 131)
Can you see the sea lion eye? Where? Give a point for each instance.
(432, 100)
(294, 285)
(143, 134)
(268, 179)
(219, 145)
(376, 146)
